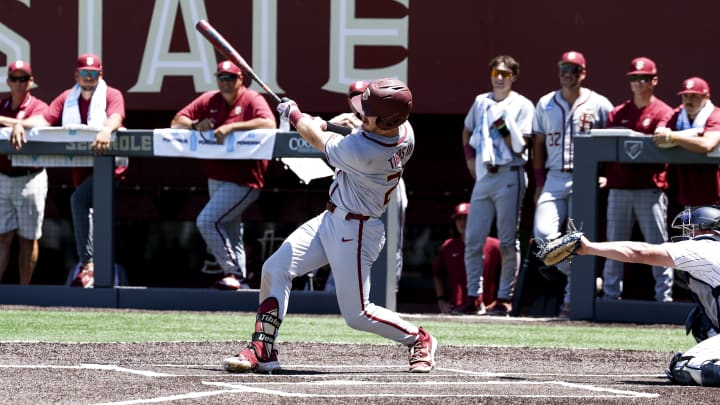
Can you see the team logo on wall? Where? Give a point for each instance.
(633, 149)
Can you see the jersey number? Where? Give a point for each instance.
(390, 178)
(553, 139)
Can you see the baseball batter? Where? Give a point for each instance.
(494, 139)
(697, 258)
(559, 116)
(349, 235)
(637, 191)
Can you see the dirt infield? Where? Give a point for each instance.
(189, 373)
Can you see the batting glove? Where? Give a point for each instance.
(290, 111)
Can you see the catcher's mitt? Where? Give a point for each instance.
(562, 248)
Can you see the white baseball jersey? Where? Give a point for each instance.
(369, 168)
(485, 110)
(560, 122)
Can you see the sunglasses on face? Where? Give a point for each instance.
(23, 79)
(227, 77)
(90, 73)
(570, 68)
(641, 78)
(502, 73)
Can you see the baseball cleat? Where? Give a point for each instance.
(422, 353)
(247, 360)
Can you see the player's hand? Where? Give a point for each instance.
(289, 110)
(602, 182)
(102, 141)
(221, 133)
(204, 124)
(17, 138)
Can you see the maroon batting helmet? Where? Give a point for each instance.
(389, 100)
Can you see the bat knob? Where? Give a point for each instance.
(284, 99)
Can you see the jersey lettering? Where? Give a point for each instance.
(553, 139)
(393, 187)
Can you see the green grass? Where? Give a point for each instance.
(147, 326)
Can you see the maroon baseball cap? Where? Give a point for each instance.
(89, 61)
(357, 88)
(228, 67)
(20, 65)
(461, 209)
(642, 66)
(573, 57)
(695, 85)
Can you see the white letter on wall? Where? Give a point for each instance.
(158, 61)
(14, 47)
(90, 27)
(264, 43)
(346, 32)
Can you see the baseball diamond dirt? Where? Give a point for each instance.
(190, 373)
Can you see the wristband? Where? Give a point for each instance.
(670, 137)
(539, 178)
(295, 116)
(469, 152)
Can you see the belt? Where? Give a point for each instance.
(332, 207)
(20, 172)
(495, 169)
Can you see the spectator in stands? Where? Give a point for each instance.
(637, 191)
(351, 120)
(449, 268)
(22, 189)
(694, 126)
(233, 184)
(93, 103)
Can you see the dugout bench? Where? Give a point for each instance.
(139, 143)
(624, 146)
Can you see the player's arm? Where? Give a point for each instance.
(628, 252)
(703, 143)
(18, 138)
(102, 139)
(469, 151)
(309, 128)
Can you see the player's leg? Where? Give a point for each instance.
(31, 213)
(508, 200)
(224, 210)
(351, 262)
(479, 221)
(619, 227)
(81, 206)
(8, 220)
(651, 212)
(301, 253)
(698, 366)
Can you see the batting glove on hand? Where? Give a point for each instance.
(289, 110)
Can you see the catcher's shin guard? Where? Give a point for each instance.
(267, 324)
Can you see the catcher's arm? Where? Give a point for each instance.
(627, 251)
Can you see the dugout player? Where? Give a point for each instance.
(23, 190)
(449, 267)
(694, 126)
(637, 191)
(233, 184)
(349, 234)
(93, 103)
(696, 258)
(559, 116)
(493, 136)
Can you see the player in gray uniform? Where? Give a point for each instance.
(696, 257)
(495, 150)
(559, 116)
(349, 235)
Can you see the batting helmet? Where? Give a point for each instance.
(389, 100)
(700, 218)
(357, 88)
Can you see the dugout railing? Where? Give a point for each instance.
(139, 143)
(625, 146)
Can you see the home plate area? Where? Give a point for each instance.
(136, 373)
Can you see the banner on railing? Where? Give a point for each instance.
(253, 144)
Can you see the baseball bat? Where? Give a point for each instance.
(224, 47)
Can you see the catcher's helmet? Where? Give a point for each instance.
(696, 219)
(389, 100)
